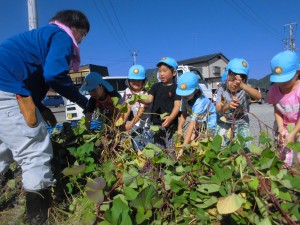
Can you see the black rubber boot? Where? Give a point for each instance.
(37, 205)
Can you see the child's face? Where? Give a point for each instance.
(166, 74)
(136, 85)
(189, 97)
(233, 81)
(97, 92)
(289, 85)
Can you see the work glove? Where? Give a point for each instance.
(49, 117)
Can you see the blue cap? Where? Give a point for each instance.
(187, 83)
(224, 77)
(284, 66)
(92, 80)
(169, 61)
(239, 66)
(137, 72)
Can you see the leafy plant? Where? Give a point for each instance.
(208, 185)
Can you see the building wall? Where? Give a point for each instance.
(212, 70)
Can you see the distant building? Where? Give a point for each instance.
(211, 66)
(78, 77)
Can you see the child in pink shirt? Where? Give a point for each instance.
(284, 94)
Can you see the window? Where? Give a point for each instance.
(217, 71)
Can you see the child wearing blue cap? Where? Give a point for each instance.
(165, 101)
(136, 82)
(284, 95)
(232, 102)
(194, 103)
(101, 93)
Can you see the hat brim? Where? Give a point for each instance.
(105, 83)
(239, 71)
(282, 78)
(184, 92)
(88, 87)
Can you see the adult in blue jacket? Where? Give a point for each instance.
(31, 63)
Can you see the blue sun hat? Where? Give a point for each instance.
(284, 66)
(239, 66)
(92, 80)
(137, 72)
(224, 77)
(168, 61)
(187, 83)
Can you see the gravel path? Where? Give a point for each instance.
(263, 113)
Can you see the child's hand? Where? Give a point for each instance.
(128, 126)
(239, 82)
(234, 103)
(167, 121)
(281, 136)
(289, 138)
(180, 153)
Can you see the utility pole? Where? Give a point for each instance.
(134, 54)
(32, 14)
(290, 42)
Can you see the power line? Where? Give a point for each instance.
(260, 20)
(121, 28)
(251, 19)
(115, 36)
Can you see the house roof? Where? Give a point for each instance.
(201, 59)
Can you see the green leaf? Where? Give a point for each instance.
(88, 217)
(284, 195)
(290, 127)
(149, 153)
(141, 215)
(94, 189)
(294, 146)
(266, 163)
(128, 178)
(153, 147)
(207, 202)
(119, 121)
(130, 193)
(265, 221)
(208, 188)
(145, 198)
(115, 100)
(229, 204)
(105, 223)
(223, 173)
(253, 184)
(216, 143)
(261, 206)
(154, 128)
(294, 182)
(132, 100)
(118, 213)
(163, 115)
(177, 185)
(84, 150)
(143, 97)
(166, 161)
(255, 149)
(74, 170)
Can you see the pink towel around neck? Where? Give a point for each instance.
(75, 62)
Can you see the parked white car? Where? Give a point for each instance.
(74, 112)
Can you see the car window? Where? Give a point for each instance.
(118, 84)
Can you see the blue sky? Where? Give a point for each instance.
(182, 29)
